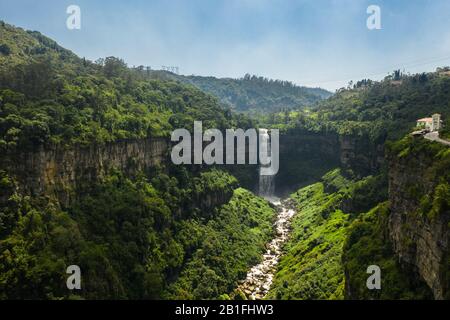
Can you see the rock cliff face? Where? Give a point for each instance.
(360, 154)
(57, 172)
(419, 241)
(305, 157)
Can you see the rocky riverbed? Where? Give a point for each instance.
(260, 277)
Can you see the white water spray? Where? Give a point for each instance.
(266, 184)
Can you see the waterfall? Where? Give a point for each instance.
(266, 186)
(266, 182)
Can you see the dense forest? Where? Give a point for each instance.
(186, 232)
(131, 238)
(252, 94)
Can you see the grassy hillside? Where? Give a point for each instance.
(311, 267)
(229, 244)
(422, 203)
(366, 245)
(18, 46)
(342, 227)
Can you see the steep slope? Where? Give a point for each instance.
(145, 238)
(18, 46)
(419, 220)
(312, 267)
(407, 236)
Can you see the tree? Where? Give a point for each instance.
(114, 67)
(5, 49)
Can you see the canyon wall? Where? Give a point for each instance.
(56, 171)
(419, 240)
(360, 154)
(306, 156)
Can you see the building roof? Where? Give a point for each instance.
(425, 120)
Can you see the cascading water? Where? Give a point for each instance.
(266, 182)
(266, 186)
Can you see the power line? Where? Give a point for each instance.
(411, 64)
(173, 69)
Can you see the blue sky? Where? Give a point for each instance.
(311, 42)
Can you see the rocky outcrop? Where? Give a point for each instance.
(419, 241)
(57, 171)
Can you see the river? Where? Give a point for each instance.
(259, 279)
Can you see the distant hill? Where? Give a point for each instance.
(252, 94)
(392, 105)
(19, 46)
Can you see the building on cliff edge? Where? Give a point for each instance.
(430, 124)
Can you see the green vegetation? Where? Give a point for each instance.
(133, 239)
(367, 245)
(252, 94)
(229, 244)
(373, 112)
(334, 240)
(368, 242)
(48, 95)
(445, 131)
(342, 227)
(183, 233)
(311, 267)
(379, 110)
(435, 158)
